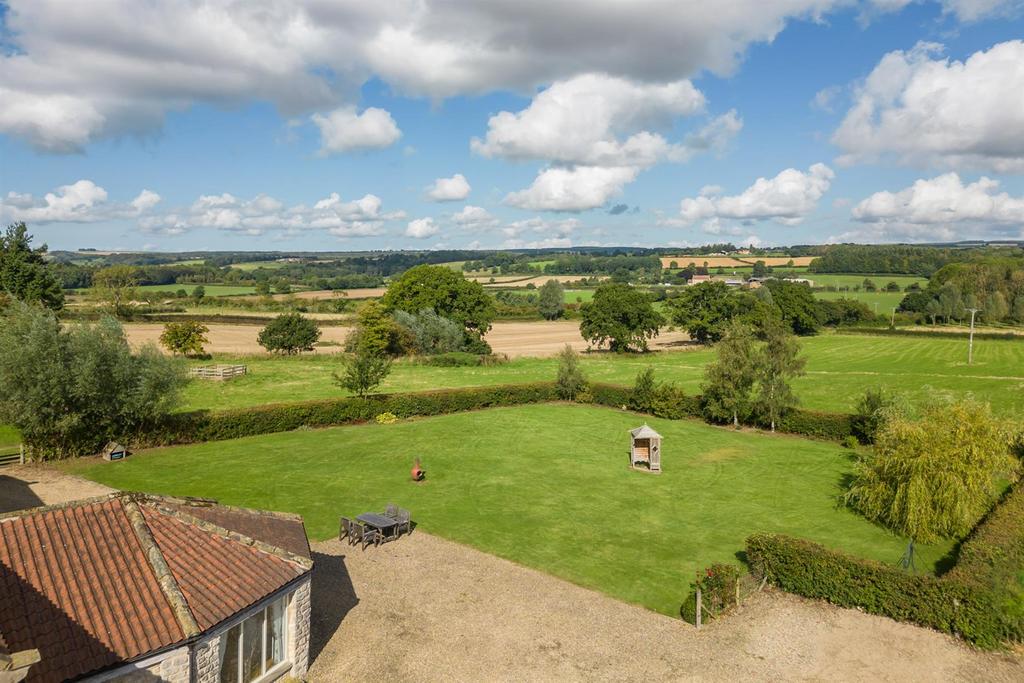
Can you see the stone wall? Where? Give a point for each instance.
(174, 668)
(206, 658)
(298, 627)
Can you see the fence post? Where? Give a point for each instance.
(21, 454)
(699, 607)
(737, 591)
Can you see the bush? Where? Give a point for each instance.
(819, 425)
(851, 442)
(386, 419)
(432, 333)
(571, 381)
(811, 570)
(181, 428)
(717, 585)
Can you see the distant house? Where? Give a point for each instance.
(136, 587)
(697, 279)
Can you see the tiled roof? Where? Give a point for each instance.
(99, 582)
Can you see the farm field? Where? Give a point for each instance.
(515, 339)
(881, 302)
(547, 486)
(211, 290)
(839, 369)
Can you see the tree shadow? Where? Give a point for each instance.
(333, 596)
(17, 494)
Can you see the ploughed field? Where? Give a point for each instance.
(839, 369)
(547, 486)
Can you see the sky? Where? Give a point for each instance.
(179, 125)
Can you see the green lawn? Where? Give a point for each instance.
(211, 290)
(8, 437)
(585, 295)
(547, 486)
(840, 368)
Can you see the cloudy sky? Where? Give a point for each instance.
(351, 124)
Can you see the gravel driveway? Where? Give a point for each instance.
(426, 609)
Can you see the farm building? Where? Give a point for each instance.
(645, 449)
(136, 587)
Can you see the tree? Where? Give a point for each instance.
(729, 379)
(873, 410)
(622, 316)
(198, 293)
(445, 292)
(289, 333)
(795, 304)
(70, 390)
(364, 371)
(570, 382)
(934, 477)
(115, 286)
(552, 299)
(704, 310)
(282, 286)
(760, 269)
(431, 334)
(263, 288)
(996, 308)
(24, 275)
(377, 332)
(644, 389)
(185, 337)
(776, 363)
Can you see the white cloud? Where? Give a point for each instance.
(787, 198)
(474, 217)
(80, 202)
(343, 130)
(78, 72)
(925, 110)
(964, 10)
(422, 228)
(575, 189)
(943, 200)
(451, 189)
(825, 98)
(584, 120)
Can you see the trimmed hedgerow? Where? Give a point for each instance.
(992, 558)
(718, 586)
(195, 427)
(945, 604)
(923, 333)
(833, 426)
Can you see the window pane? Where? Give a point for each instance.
(276, 637)
(252, 647)
(229, 655)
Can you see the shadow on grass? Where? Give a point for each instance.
(333, 597)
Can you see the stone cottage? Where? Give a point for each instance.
(133, 587)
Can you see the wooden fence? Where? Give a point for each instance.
(217, 372)
(9, 457)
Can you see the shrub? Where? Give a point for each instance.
(457, 359)
(364, 372)
(431, 332)
(386, 419)
(289, 333)
(816, 424)
(571, 381)
(642, 396)
(851, 442)
(717, 586)
(811, 570)
(872, 410)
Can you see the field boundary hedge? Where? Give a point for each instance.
(980, 599)
(199, 426)
(938, 334)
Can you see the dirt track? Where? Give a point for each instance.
(442, 611)
(516, 339)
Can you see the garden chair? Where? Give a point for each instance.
(404, 520)
(368, 535)
(346, 530)
(392, 511)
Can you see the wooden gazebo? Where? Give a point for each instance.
(645, 449)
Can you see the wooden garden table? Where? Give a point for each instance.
(385, 525)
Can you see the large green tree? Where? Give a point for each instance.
(776, 363)
(622, 316)
(116, 287)
(934, 477)
(445, 292)
(795, 304)
(704, 310)
(289, 333)
(729, 378)
(70, 390)
(187, 337)
(552, 299)
(24, 274)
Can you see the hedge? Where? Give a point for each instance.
(945, 604)
(910, 332)
(181, 428)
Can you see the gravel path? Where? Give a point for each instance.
(426, 609)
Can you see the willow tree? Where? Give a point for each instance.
(936, 476)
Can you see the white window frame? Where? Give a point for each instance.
(278, 669)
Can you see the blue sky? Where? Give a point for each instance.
(325, 125)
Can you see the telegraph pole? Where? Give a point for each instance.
(892, 322)
(970, 343)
